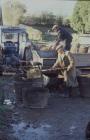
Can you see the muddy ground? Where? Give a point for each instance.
(62, 119)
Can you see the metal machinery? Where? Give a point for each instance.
(12, 41)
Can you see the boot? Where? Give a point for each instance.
(66, 91)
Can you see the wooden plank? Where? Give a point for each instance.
(82, 59)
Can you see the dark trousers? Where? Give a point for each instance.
(55, 84)
(68, 45)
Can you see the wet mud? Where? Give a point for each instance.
(63, 118)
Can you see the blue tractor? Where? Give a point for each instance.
(12, 41)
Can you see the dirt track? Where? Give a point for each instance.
(63, 118)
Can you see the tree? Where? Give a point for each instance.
(0, 16)
(81, 16)
(66, 22)
(59, 20)
(12, 12)
(47, 18)
(18, 11)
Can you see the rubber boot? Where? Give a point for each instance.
(66, 91)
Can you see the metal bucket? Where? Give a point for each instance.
(84, 85)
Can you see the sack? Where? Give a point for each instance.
(33, 73)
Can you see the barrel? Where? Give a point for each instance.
(84, 85)
(35, 97)
(89, 49)
(31, 93)
(20, 84)
(83, 49)
(75, 48)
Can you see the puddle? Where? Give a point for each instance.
(72, 129)
(24, 131)
(7, 102)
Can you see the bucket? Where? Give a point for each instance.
(84, 85)
(83, 49)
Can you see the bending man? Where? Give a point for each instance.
(65, 61)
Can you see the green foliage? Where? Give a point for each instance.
(13, 12)
(81, 16)
(47, 19)
(66, 22)
(0, 16)
(59, 20)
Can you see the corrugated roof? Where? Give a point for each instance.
(12, 29)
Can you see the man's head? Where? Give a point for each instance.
(55, 28)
